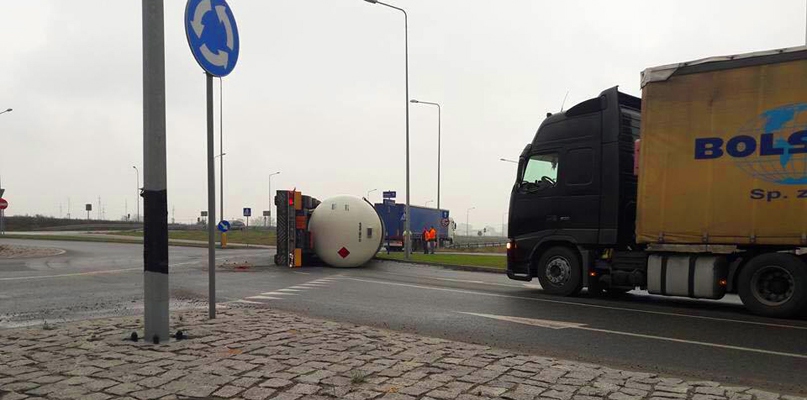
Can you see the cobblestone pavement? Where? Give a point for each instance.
(264, 354)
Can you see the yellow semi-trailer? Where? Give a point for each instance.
(698, 189)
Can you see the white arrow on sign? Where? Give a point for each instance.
(218, 59)
(221, 11)
(201, 9)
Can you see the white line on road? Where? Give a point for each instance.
(248, 301)
(278, 293)
(88, 273)
(288, 290)
(571, 303)
(572, 325)
(264, 297)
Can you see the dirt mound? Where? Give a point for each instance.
(14, 251)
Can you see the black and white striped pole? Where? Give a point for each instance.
(155, 195)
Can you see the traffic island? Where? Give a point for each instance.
(15, 251)
(257, 353)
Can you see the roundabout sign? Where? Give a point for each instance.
(212, 35)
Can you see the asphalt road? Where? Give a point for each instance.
(714, 340)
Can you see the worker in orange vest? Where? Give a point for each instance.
(425, 240)
(432, 238)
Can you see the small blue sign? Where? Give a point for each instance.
(247, 212)
(389, 202)
(390, 194)
(403, 216)
(223, 226)
(445, 214)
(212, 35)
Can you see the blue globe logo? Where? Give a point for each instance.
(787, 168)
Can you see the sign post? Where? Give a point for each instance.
(154, 191)
(88, 207)
(247, 213)
(213, 39)
(3, 206)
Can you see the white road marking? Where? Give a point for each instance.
(288, 290)
(583, 327)
(264, 297)
(478, 293)
(298, 287)
(543, 323)
(278, 293)
(248, 301)
(89, 273)
(301, 273)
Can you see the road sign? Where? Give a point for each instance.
(204, 213)
(88, 207)
(2, 191)
(247, 212)
(212, 35)
(267, 213)
(390, 194)
(445, 214)
(223, 226)
(403, 216)
(3, 204)
(444, 222)
(389, 202)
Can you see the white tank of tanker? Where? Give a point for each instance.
(346, 231)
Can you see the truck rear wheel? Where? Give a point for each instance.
(560, 272)
(774, 285)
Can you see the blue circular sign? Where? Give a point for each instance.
(223, 226)
(212, 35)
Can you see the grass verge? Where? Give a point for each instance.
(264, 238)
(460, 260)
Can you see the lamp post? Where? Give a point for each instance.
(368, 194)
(137, 198)
(407, 222)
(439, 141)
(7, 110)
(508, 160)
(467, 223)
(270, 196)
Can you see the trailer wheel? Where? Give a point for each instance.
(560, 272)
(774, 285)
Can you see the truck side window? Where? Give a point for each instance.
(541, 167)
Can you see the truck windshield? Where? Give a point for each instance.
(541, 166)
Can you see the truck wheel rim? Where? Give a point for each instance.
(773, 285)
(558, 271)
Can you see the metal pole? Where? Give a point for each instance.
(2, 214)
(137, 191)
(407, 222)
(211, 202)
(155, 235)
(467, 221)
(271, 202)
(221, 146)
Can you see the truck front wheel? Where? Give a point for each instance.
(774, 285)
(560, 272)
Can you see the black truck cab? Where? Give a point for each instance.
(575, 190)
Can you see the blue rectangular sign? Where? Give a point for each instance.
(389, 202)
(247, 212)
(390, 194)
(445, 213)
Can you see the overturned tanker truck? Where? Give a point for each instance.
(342, 231)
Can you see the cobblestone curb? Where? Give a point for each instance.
(264, 354)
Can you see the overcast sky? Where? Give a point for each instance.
(318, 92)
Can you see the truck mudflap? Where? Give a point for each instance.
(519, 277)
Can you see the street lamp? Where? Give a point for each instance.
(137, 174)
(368, 194)
(407, 222)
(467, 223)
(439, 128)
(7, 110)
(427, 203)
(507, 160)
(270, 196)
